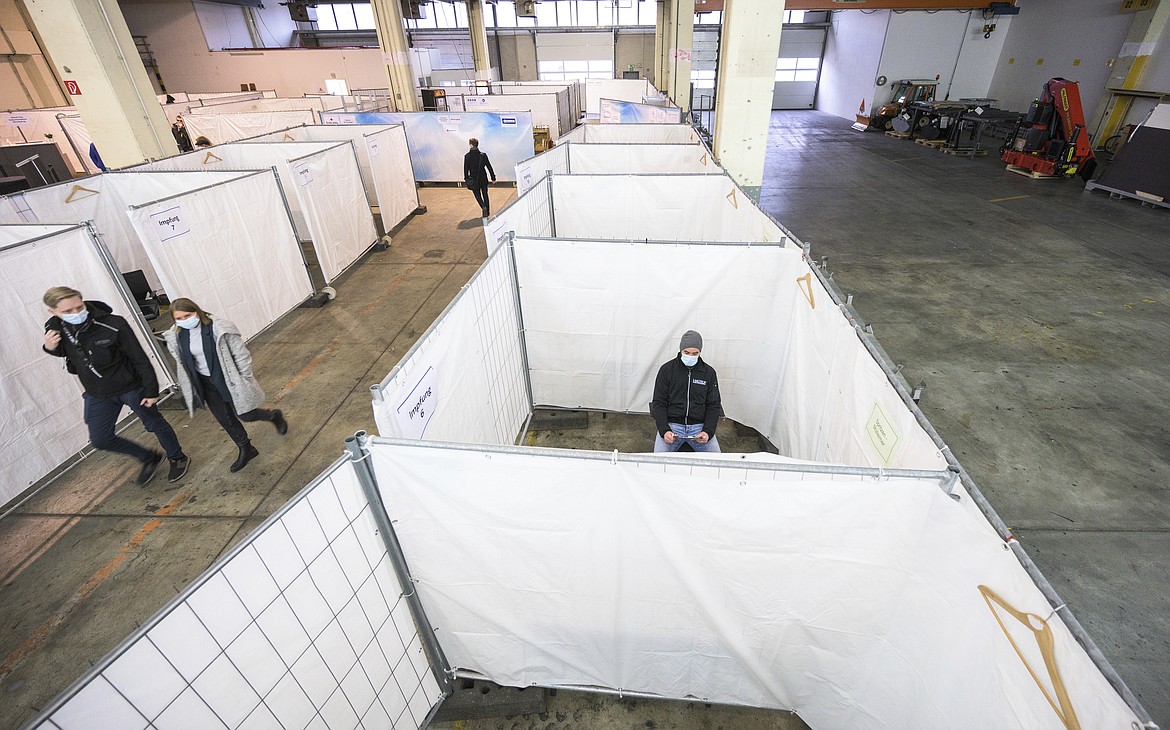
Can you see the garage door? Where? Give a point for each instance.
(798, 69)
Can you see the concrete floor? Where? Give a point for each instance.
(1037, 314)
(1034, 311)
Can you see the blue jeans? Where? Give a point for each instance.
(101, 416)
(681, 430)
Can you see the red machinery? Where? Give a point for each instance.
(1051, 139)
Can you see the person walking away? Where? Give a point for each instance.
(215, 370)
(476, 167)
(101, 349)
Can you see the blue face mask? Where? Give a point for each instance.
(689, 360)
(76, 318)
(188, 324)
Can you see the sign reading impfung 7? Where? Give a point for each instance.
(169, 223)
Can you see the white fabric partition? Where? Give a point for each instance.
(44, 125)
(302, 624)
(261, 104)
(650, 159)
(637, 134)
(42, 424)
(464, 380)
(856, 602)
(658, 208)
(600, 317)
(383, 159)
(532, 171)
(229, 246)
(220, 127)
(322, 185)
(530, 214)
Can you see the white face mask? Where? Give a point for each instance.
(690, 360)
(76, 318)
(188, 324)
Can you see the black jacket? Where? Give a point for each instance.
(477, 165)
(107, 356)
(686, 395)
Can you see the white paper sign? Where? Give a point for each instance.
(475, 101)
(169, 224)
(415, 411)
(17, 120)
(525, 175)
(375, 148)
(303, 173)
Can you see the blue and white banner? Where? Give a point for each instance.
(438, 140)
(631, 112)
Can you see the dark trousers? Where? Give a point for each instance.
(101, 416)
(481, 197)
(225, 412)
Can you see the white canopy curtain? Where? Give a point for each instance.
(322, 186)
(658, 208)
(221, 128)
(609, 159)
(42, 426)
(383, 159)
(856, 602)
(229, 246)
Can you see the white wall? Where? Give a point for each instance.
(977, 58)
(1060, 32)
(921, 45)
(852, 51)
(176, 36)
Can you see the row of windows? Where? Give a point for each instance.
(574, 13)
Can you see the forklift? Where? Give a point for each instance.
(1051, 139)
(906, 92)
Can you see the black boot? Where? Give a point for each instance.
(247, 453)
(279, 422)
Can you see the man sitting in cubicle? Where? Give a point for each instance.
(686, 406)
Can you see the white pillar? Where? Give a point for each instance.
(479, 42)
(682, 32)
(660, 44)
(395, 54)
(97, 60)
(747, 75)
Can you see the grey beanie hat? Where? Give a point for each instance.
(691, 338)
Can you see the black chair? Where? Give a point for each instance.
(147, 301)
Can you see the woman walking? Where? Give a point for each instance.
(215, 370)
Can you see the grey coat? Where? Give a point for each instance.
(234, 360)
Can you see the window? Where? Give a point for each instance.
(794, 16)
(797, 69)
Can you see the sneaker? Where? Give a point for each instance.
(179, 468)
(279, 422)
(149, 468)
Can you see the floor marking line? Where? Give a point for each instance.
(1014, 197)
(42, 633)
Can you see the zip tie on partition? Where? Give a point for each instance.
(1053, 613)
(881, 474)
(614, 459)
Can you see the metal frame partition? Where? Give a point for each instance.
(258, 553)
(910, 397)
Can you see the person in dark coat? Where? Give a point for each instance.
(686, 406)
(102, 350)
(215, 370)
(476, 167)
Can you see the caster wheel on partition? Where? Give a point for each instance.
(382, 244)
(329, 292)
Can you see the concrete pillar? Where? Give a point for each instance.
(1147, 29)
(659, 72)
(682, 32)
(396, 55)
(748, 46)
(479, 42)
(97, 60)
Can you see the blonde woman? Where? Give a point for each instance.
(215, 370)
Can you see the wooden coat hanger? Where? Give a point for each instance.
(1044, 639)
(211, 156)
(79, 189)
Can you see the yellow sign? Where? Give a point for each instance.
(882, 435)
